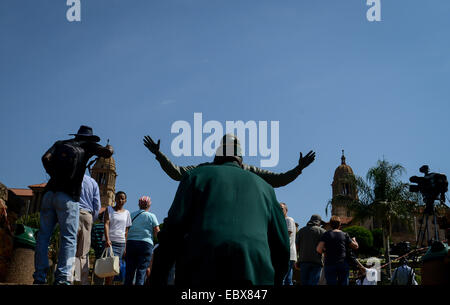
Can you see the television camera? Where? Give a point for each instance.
(432, 187)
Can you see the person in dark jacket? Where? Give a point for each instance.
(60, 203)
(274, 179)
(309, 261)
(225, 227)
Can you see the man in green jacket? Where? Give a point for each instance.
(274, 179)
(225, 227)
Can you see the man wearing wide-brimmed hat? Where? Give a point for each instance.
(65, 162)
(309, 260)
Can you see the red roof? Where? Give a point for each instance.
(22, 192)
(42, 185)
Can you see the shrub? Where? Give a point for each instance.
(31, 220)
(363, 237)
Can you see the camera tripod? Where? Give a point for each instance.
(430, 210)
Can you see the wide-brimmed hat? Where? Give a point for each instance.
(86, 132)
(229, 146)
(316, 219)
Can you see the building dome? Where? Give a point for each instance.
(343, 170)
(344, 189)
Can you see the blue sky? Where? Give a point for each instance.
(332, 79)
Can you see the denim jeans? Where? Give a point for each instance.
(288, 277)
(57, 207)
(337, 274)
(137, 261)
(310, 273)
(118, 250)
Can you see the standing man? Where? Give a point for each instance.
(404, 274)
(225, 227)
(89, 209)
(310, 262)
(65, 162)
(290, 223)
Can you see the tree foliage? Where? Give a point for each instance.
(377, 239)
(363, 236)
(383, 196)
(31, 220)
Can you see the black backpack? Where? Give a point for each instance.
(66, 159)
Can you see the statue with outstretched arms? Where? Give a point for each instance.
(274, 179)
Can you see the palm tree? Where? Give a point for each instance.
(385, 199)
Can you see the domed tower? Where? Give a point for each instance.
(104, 172)
(344, 189)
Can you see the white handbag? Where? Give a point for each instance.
(107, 265)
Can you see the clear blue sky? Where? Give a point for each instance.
(332, 79)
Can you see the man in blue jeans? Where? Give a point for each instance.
(310, 261)
(65, 162)
(89, 209)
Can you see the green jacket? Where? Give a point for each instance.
(225, 227)
(274, 179)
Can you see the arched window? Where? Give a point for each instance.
(101, 179)
(345, 189)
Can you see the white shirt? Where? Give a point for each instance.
(118, 222)
(370, 279)
(291, 227)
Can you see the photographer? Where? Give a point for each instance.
(65, 162)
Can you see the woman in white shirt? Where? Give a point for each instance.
(117, 223)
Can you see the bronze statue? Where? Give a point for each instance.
(274, 179)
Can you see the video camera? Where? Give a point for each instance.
(432, 186)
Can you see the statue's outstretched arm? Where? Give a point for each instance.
(173, 171)
(282, 179)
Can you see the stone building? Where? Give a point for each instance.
(344, 191)
(104, 172)
(21, 201)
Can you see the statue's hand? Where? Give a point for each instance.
(305, 161)
(151, 145)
